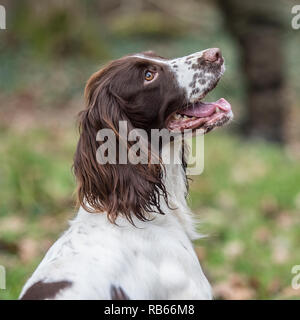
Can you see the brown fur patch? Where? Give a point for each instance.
(45, 290)
(118, 293)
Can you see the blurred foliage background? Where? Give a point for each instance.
(248, 197)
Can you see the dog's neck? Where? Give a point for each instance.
(176, 186)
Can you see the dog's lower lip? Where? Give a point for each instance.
(201, 115)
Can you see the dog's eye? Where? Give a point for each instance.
(149, 75)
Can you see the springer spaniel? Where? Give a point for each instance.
(132, 237)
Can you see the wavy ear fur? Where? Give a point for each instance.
(117, 189)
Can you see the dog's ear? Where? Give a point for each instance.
(126, 189)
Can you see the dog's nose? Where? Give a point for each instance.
(212, 55)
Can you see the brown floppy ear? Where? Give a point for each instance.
(126, 189)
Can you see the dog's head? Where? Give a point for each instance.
(148, 92)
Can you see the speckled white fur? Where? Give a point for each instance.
(184, 73)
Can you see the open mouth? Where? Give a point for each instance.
(201, 115)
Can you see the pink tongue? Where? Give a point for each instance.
(205, 109)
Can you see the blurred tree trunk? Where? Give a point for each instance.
(258, 27)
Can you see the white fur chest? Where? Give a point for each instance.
(154, 260)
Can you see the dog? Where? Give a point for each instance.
(132, 237)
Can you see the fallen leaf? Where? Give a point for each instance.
(289, 292)
(226, 200)
(234, 249)
(28, 249)
(262, 234)
(285, 220)
(12, 224)
(234, 288)
(274, 286)
(280, 253)
(269, 206)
